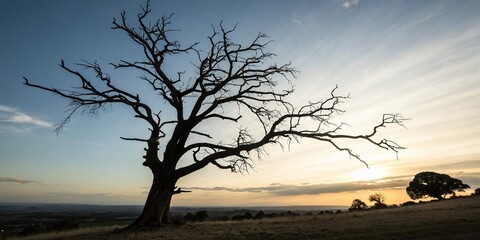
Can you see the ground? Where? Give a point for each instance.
(449, 219)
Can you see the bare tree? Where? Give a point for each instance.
(228, 76)
(378, 199)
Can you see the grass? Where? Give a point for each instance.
(450, 219)
(90, 231)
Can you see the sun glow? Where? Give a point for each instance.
(367, 174)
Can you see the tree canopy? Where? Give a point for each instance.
(435, 185)
(378, 199)
(358, 205)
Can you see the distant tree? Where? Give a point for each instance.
(378, 199)
(228, 82)
(435, 185)
(358, 205)
(477, 192)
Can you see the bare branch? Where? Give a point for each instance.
(179, 190)
(201, 134)
(134, 139)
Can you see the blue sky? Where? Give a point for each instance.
(419, 58)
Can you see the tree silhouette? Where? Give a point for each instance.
(233, 83)
(477, 192)
(432, 184)
(378, 199)
(358, 205)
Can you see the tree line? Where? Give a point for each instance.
(424, 185)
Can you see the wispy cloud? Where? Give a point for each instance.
(14, 120)
(88, 195)
(296, 19)
(314, 189)
(16, 180)
(348, 3)
(74, 194)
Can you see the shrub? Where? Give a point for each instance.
(259, 215)
(248, 215)
(189, 217)
(238, 218)
(408, 203)
(200, 216)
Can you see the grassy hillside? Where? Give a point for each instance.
(450, 219)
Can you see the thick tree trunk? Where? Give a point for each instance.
(156, 209)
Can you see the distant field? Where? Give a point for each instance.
(450, 219)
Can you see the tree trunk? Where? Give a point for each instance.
(156, 209)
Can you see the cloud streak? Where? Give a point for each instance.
(12, 119)
(314, 189)
(16, 180)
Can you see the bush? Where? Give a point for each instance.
(248, 215)
(272, 215)
(238, 218)
(259, 215)
(200, 216)
(221, 218)
(408, 203)
(189, 217)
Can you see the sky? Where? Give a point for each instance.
(417, 58)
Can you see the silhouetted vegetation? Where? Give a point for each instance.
(259, 215)
(378, 199)
(435, 185)
(189, 217)
(238, 218)
(358, 205)
(200, 216)
(408, 203)
(477, 192)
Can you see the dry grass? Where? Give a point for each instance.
(70, 234)
(450, 219)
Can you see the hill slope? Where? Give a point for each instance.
(449, 219)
